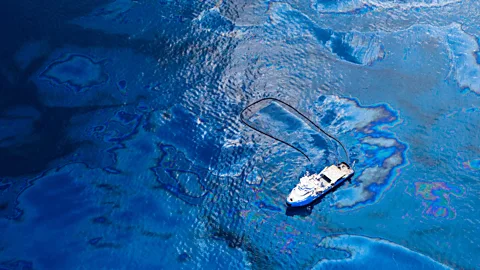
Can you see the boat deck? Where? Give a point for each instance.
(327, 178)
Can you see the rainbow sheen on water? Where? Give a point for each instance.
(121, 145)
(436, 198)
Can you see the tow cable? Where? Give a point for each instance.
(242, 119)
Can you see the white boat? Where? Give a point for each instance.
(314, 186)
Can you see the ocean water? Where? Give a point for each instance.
(121, 145)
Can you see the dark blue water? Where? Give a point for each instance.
(121, 145)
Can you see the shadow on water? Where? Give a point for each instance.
(48, 139)
(303, 211)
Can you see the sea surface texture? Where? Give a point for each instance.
(122, 147)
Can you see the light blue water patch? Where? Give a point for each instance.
(376, 151)
(368, 253)
(353, 47)
(212, 20)
(356, 6)
(464, 49)
(275, 113)
(283, 123)
(79, 72)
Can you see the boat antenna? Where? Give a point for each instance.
(242, 119)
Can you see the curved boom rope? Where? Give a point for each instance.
(284, 142)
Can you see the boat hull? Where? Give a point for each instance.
(299, 201)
